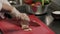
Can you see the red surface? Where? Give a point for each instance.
(28, 1)
(8, 28)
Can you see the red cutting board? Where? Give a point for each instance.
(9, 28)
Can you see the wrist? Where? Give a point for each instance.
(15, 12)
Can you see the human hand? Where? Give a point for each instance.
(24, 16)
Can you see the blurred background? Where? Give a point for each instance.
(47, 11)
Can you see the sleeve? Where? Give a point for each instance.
(0, 5)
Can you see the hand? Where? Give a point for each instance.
(18, 15)
(24, 16)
